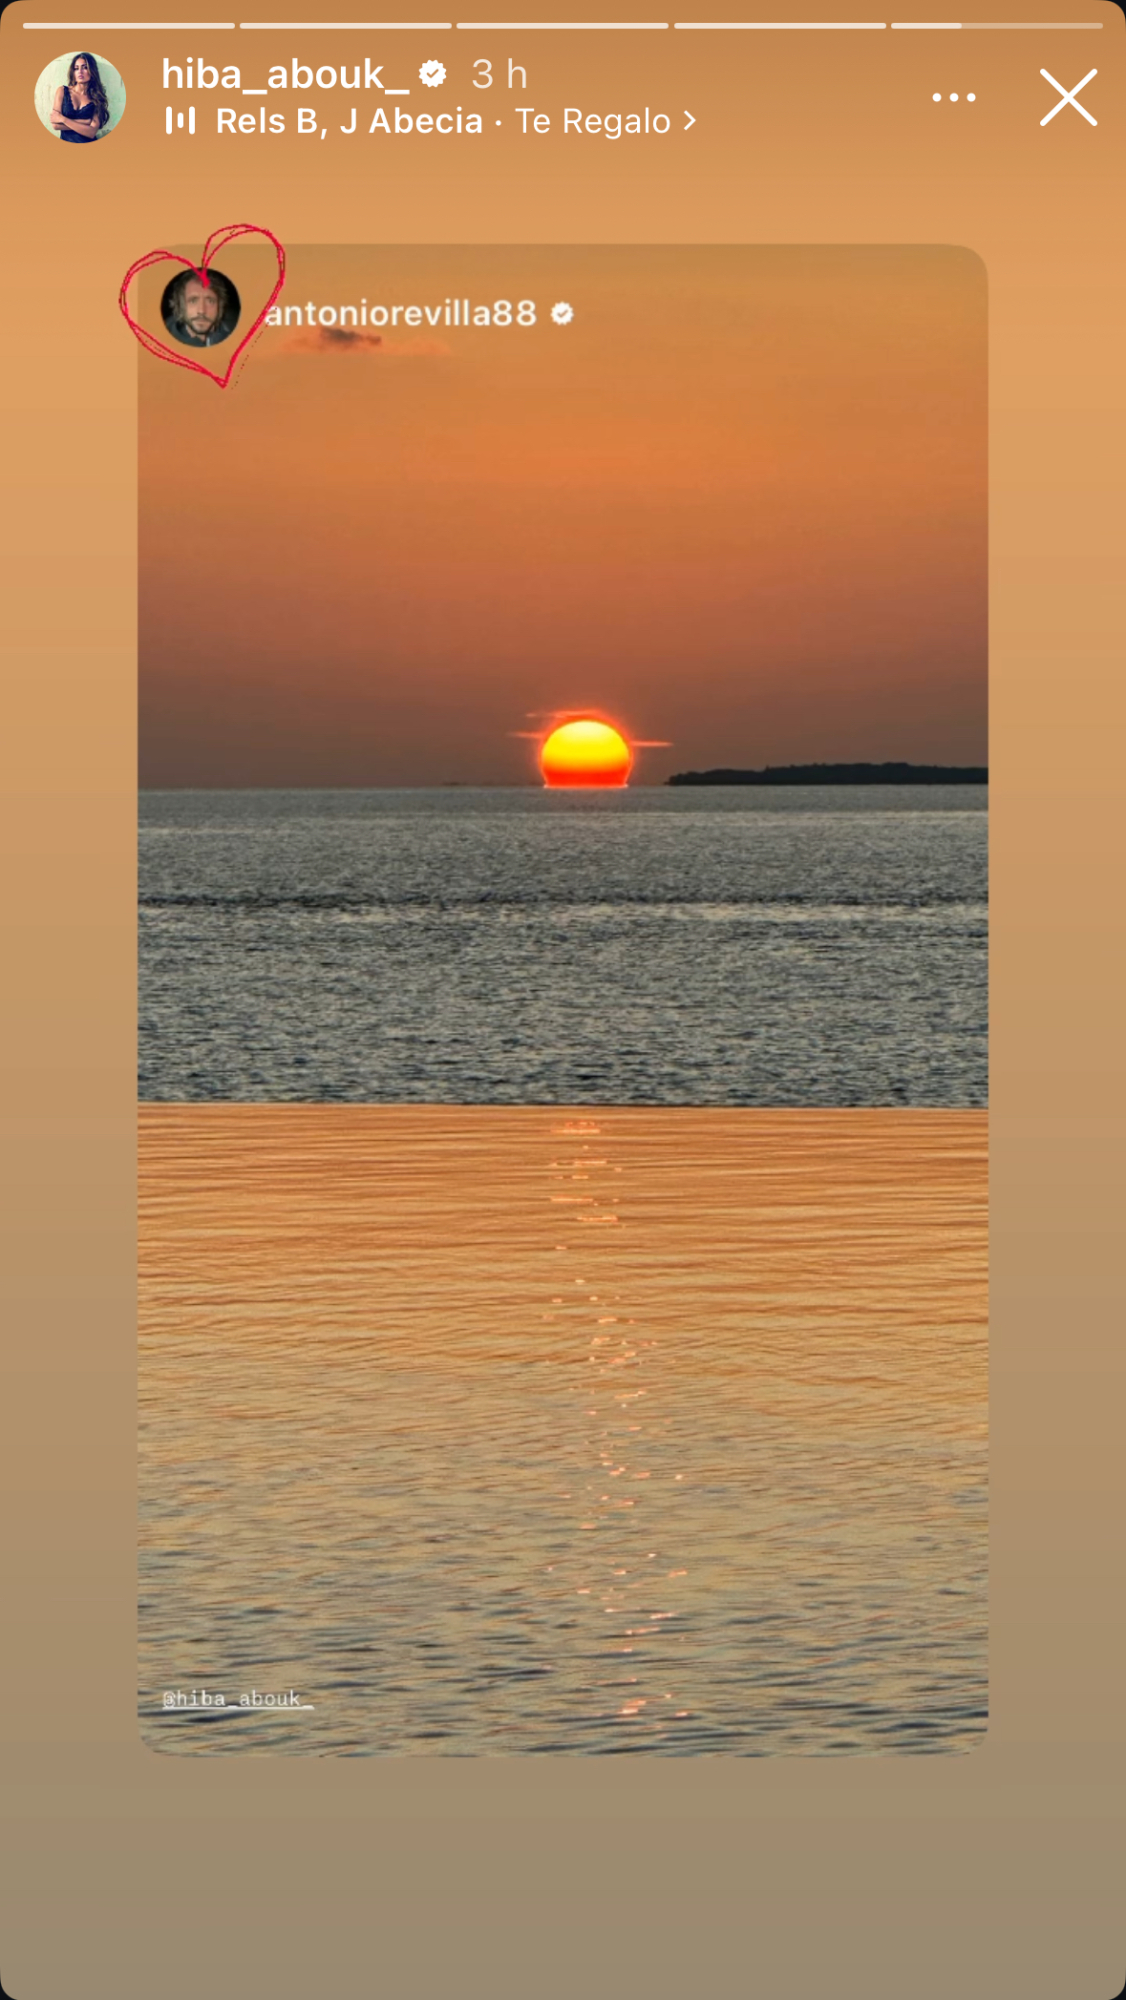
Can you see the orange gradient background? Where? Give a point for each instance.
(998, 1874)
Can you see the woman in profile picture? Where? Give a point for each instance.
(80, 110)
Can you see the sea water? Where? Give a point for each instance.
(694, 946)
(492, 1431)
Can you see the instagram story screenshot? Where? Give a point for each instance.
(563, 1086)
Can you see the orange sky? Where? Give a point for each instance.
(739, 504)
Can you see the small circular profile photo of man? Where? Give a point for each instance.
(200, 312)
(79, 98)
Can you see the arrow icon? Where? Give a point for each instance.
(689, 120)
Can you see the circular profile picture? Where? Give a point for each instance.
(200, 312)
(79, 98)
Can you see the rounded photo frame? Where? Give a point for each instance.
(199, 313)
(78, 90)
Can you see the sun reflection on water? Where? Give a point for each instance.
(723, 1491)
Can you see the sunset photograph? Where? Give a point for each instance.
(585, 712)
(563, 1052)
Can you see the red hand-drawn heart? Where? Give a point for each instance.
(213, 247)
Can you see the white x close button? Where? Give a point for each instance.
(1069, 97)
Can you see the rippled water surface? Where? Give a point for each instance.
(497, 1430)
(813, 946)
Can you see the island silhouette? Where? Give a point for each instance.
(841, 774)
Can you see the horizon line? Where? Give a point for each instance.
(528, 785)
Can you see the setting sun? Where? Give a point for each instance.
(586, 752)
